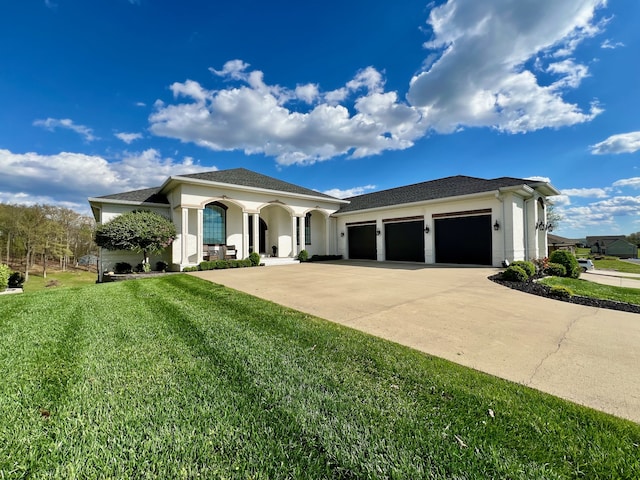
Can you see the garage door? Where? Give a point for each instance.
(463, 240)
(362, 242)
(404, 241)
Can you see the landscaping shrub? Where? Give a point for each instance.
(568, 260)
(254, 257)
(528, 267)
(162, 266)
(222, 264)
(303, 256)
(541, 264)
(16, 280)
(515, 273)
(5, 273)
(555, 270)
(191, 269)
(561, 291)
(122, 267)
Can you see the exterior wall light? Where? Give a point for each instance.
(342, 234)
(496, 226)
(378, 232)
(426, 229)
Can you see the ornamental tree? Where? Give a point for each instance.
(140, 231)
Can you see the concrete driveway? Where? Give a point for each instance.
(587, 355)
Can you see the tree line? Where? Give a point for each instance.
(44, 234)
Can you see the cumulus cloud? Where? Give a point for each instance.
(586, 192)
(52, 123)
(481, 70)
(56, 176)
(620, 143)
(349, 192)
(628, 182)
(479, 76)
(128, 137)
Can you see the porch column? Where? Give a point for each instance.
(302, 233)
(327, 235)
(294, 236)
(200, 236)
(244, 252)
(184, 236)
(256, 232)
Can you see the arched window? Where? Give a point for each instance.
(215, 224)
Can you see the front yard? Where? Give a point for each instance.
(175, 377)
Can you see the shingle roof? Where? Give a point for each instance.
(247, 178)
(431, 190)
(146, 195)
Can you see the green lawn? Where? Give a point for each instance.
(617, 265)
(175, 377)
(56, 279)
(586, 288)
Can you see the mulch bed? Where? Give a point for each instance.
(535, 288)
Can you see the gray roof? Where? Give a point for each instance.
(146, 195)
(248, 178)
(431, 190)
(235, 176)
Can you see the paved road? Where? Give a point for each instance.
(588, 355)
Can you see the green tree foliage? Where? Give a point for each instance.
(5, 273)
(140, 231)
(634, 238)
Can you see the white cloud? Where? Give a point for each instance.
(628, 182)
(349, 192)
(560, 200)
(481, 78)
(608, 44)
(477, 74)
(56, 176)
(586, 192)
(620, 143)
(52, 123)
(128, 137)
(140, 104)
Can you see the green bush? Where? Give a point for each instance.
(303, 256)
(568, 261)
(555, 270)
(16, 280)
(223, 264)
(122, 267)
(191, 269)
(528, 267)
(162, 266)
(561, 291)
(515, 273)
(254, 257)
(5, 273)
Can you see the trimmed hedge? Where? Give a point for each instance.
(515, 273)
(568, 261)
(528, 267)
(555, 270)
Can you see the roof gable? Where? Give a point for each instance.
(431, 190)
(248, 178)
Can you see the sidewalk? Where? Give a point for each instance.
(613, 278)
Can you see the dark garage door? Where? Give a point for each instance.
(404, 241)
(362, 242)
(464, 240)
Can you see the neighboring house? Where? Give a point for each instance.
(613, 245)
(461, 220)
(556, 242)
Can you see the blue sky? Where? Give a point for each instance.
(343, 97)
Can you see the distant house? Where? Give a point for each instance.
(613, 245)
(556, 242)
(459, 220)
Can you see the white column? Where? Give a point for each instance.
(200, 238)
(327, 235)
(244, 252)
(184, 236)
(256, 232)
(294, 239)
(303, 233)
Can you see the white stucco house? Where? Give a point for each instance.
(459, 220)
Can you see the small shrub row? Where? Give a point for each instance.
(222, 264)
(124, 267)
